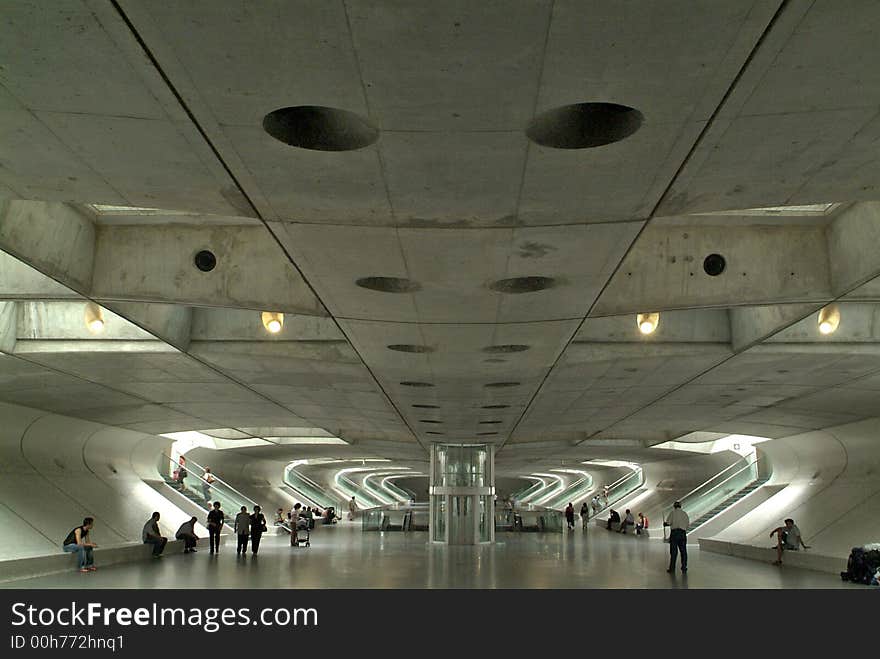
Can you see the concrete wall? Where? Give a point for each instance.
(828, 482)
(55, 470)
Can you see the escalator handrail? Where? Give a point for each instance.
(216, 478)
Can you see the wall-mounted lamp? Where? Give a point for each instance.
(273, 321)
(94, 317)
(829, 319)
(648, 322)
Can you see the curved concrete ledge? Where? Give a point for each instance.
(35, 566)
(809, 560)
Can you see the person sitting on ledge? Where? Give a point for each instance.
(187, 533)
(787, 537)
(613, 519)
(152, 536)
(78, 541)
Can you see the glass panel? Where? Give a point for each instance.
(439, 522)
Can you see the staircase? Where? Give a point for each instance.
(727, 503)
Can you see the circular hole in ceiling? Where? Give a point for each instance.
(427, 407)
(495, 407)
(320, 128)
(506, 348)
(429, 421)
(714, 265)
(410, 347)
(389, 284)
(205, 260)
(486, 433)
(409, 383)
(523, 284)
(499, 385)
(488, 422)
(494, 360)
(584, 125)
(434, 432)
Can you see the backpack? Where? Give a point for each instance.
(857, 569)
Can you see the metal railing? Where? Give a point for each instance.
(218, 490)
(721, 486)
(308, 489)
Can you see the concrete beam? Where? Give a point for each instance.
(19, 281)
(765, 265)
(155, 264)
(169, 322)
(751, 325)
(852, 247)
(56, 239)
(8, 318)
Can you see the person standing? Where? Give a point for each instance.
(585, 515)
(207, 479)
(352, 509)
(181, 471)
(216, 517)
(242, 530)
(258, 528)
(678, 523)
(187, 533)
(569, 516)
(152, 536)
(78, 541)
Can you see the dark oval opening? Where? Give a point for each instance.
(409, 347)
(389, 284)
(522, 284)
(714, 265)
(409, 383)
(506, 348)
(499, 385)
(320, 128)
(205, 260)
(584, 125)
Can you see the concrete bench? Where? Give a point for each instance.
(37, 566)
(809, 560)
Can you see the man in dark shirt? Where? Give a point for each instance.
(187, 533)
(258, 525)
(215, 525)
(152, 536)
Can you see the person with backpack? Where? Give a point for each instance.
(207, 479)
(216, 517)
(642, 524)
(78, 541)
(585, 515)
(569, 516)
(787, 537)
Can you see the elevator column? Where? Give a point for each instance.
(462, 493)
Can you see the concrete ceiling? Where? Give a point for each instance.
(144, 106)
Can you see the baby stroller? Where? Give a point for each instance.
(302, 535)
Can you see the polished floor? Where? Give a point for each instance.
(344, 557)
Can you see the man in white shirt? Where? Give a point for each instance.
(678, 522)
(787, 537)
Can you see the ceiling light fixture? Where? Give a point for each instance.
(648, 322)
(273, 321)
(94, 317)
(829, 319)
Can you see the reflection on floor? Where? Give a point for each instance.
(344, 557)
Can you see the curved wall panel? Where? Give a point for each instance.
(57, 470)
(829, 484)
